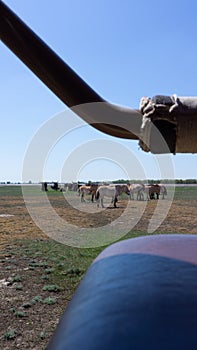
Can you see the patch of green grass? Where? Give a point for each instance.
(74, 272)
(62, 263)
(10, 191)
(42, 335)
(16, 279)
(51, 288)
(11, 334)
(19, 286)
(49, 270)
(185, 193)
(37, 298)
(38, 264)
(49, 301)
(66, 265)
(45, 277)
(27, 305)
(12, 309)
(19, 314)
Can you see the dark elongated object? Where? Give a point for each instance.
(60, 78)
(45, 63)
(171, 132)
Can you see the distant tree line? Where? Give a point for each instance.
(187, 181)
(151, 181)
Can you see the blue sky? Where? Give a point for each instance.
(123, 49)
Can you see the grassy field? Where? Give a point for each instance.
(38, 275)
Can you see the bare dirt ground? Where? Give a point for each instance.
(32, 297)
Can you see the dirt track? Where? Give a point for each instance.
(181, 218)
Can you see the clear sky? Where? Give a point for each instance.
(123, 49)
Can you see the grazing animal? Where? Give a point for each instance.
(138, 189)
(72, 186)
(87, 189)
(163, 191)
(154, 190)
(151, 190)
(146, 191)
(112, 192)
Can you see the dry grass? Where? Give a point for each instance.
(39, 276)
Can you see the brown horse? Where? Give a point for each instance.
(154, 190)
(88, 189)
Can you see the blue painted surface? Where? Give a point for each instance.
(132, 301)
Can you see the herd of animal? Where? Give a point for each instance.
(112, 191)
